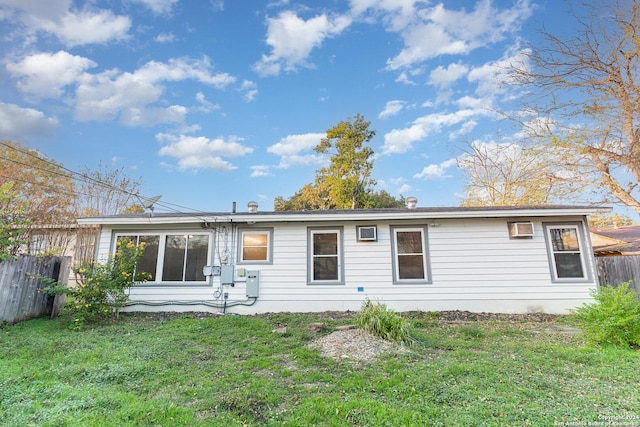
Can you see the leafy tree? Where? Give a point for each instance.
(610, 220)
(44, 183)
(346, 183)
(13, 224)
(348, 176)
(585, 100)
(47, 188)
(510, 174)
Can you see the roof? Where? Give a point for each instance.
(347, 215)
(617, 240)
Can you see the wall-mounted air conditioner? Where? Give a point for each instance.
(367, 233)
(521, 229)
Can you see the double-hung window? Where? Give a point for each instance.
(566, 254)
(325, 264)
(410, 255)
(255, 246)
(172, 257)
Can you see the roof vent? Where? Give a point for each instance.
(253, 207)
(411, 202)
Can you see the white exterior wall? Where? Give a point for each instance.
(474, 266)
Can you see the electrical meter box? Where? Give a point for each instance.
(226, 274)
(253, 283)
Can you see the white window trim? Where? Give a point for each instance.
(268, 232)
(161, 249)
(423, 229)
(310, 255)
(586, 272)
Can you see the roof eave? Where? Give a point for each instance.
(326, 216)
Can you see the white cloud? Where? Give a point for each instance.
(404, 189)
(73, 27)
(445, 77)
(205, 105)
(113, 94)
(249, 90)
(153, 116)
(292, 39)
(159, 6)
(291, 149)
(433, 171)
(430, 30)
(17, 122)
(46, 74)
(165, 38)
(399, 141)
(391, 109)
(260, 171)
(491, 77)
(193, 152)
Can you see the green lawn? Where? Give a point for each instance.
(226, 371)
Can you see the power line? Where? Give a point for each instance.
(83, 177)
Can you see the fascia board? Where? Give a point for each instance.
(351, 216)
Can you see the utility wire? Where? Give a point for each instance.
(84, 178)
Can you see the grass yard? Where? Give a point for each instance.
(233, 371)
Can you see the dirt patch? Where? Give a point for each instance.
(456, 316)
(352, 344)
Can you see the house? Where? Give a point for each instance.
(615, 241)
(481, 259)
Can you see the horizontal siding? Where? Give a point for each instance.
(474, 264)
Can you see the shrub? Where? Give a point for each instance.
(614, 318)
(384, 323)
(103, 288)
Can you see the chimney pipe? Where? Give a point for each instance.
(411, 202)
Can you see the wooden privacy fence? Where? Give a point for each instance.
(614, 270)
(20, 287)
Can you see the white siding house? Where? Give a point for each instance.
(497, 259)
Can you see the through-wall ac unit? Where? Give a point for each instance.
(368, 233)
(521, 229)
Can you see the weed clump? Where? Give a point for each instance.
(384, 323)
(614, 318)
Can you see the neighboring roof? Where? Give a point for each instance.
(347, 215)
(617, 240)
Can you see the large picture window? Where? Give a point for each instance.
(255, 246)
(172, 257)
(565, 247)
(325, 256)
(410, 255)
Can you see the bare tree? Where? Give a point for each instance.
(106, 191)
(585, 102)
(507, 174)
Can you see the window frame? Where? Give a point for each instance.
(162, 238)
(553, 268)
(242, 231)
(423, 229)
(311, 232)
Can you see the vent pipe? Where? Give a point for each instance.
(411, 202)
(253, 207)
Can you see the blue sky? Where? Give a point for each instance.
(211, 102)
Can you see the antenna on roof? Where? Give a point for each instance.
(148, 203)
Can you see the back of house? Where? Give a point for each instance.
(489, 259)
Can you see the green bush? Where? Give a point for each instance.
(384, 323)
(614, 318)
(103, 288)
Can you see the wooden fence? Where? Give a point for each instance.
(20, 287)
(614, 270)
